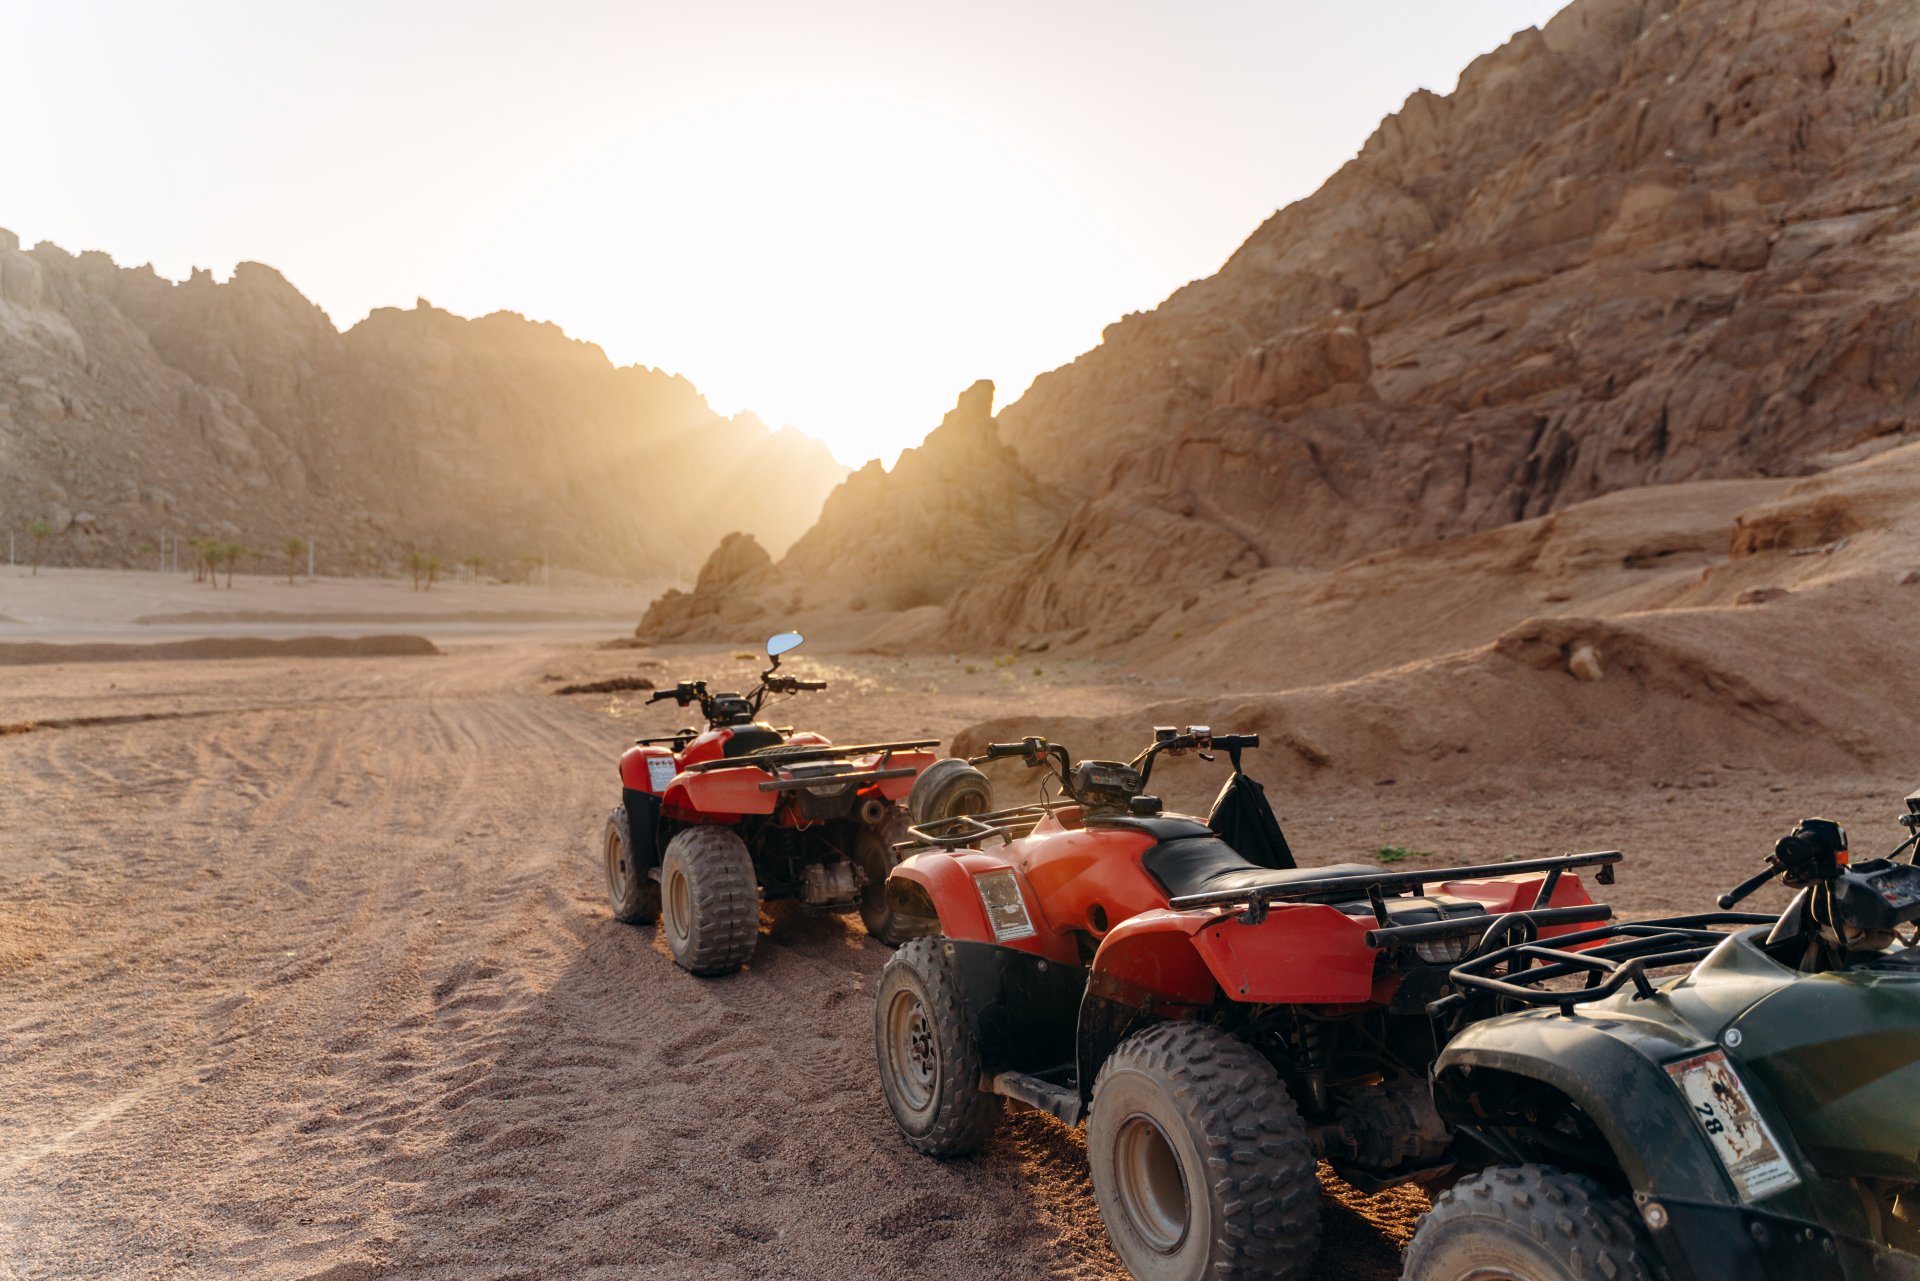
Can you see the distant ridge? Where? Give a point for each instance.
(131, 405)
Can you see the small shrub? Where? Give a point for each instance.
(1399, 853)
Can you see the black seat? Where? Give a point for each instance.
(1161, 827)
(1202, 863)
(1207, 864)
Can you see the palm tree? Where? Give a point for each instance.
(39, 529)
(230, 553)
(432, 567)
(295, 549)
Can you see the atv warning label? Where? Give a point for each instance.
(659, 772)
(1726, 1115)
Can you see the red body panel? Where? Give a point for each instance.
(1302, 954)
(948, 880)
(640, 772)
(1088, 880)
(727, 795)
(1150, 955)
(721, 795)
(1151, 960)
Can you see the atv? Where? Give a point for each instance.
(1217, 1016)
(712, 820)
(1757, 1116)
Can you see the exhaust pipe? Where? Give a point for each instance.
(873, 811)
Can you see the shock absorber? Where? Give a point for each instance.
(1313, 1066)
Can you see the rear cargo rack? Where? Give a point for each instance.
(836, 778)
(772, 759)
(1636, 947)
(1370, 885)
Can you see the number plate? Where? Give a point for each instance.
(1725, 1113)
(1006, 910)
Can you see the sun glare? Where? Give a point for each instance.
(846, 266)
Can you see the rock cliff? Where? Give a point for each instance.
(1655, 241)
(236, 410)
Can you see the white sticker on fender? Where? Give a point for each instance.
(1726, 1115)
(660, 772)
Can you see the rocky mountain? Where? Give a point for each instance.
(1655, 241)
(132, 405)
(950, 511)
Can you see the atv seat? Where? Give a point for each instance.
(1207, 865)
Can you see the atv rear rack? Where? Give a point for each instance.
(773, 759)
(806, 782)
(1637, 947)
(1375, 887)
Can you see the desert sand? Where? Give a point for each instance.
(310, 975)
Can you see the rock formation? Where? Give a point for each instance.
(1654, 241)
(951, 510)
(237, 410)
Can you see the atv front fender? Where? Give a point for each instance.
(948, 882)
(1615, 1078)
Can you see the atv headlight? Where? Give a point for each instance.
(1006, 909)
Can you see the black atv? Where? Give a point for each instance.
(1755, 1117)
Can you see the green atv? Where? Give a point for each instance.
(1756, 1117)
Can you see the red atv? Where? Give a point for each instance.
(712, 820)
(1219, 1017)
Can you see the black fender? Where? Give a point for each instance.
(1611, 1070)
(643, 827)
(1023, 1007)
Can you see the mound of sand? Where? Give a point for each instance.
(218, 647)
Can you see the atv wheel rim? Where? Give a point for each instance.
(913, 1060)
(679, 905)
(618, 873)
(1151, 1186)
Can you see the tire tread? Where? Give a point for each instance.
(725, 898)
(1264, 1178)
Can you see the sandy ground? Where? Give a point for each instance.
(311, 975)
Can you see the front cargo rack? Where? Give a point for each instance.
(970, 829)
(1609, 957)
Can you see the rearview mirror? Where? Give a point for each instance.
(782, 642)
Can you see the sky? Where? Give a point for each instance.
(837, 215)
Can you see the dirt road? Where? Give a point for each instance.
(313, 978)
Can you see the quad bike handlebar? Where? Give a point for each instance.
(1843, 909)
(721, 708)
(1116, 784)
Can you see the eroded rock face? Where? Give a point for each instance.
(1654, 242)
(727, 597)
(242, 405)
(949, 511)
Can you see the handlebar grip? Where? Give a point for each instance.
(661, 694)
(1228, 742)
(809, 684)
(1006, 749)
(1748, 886)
